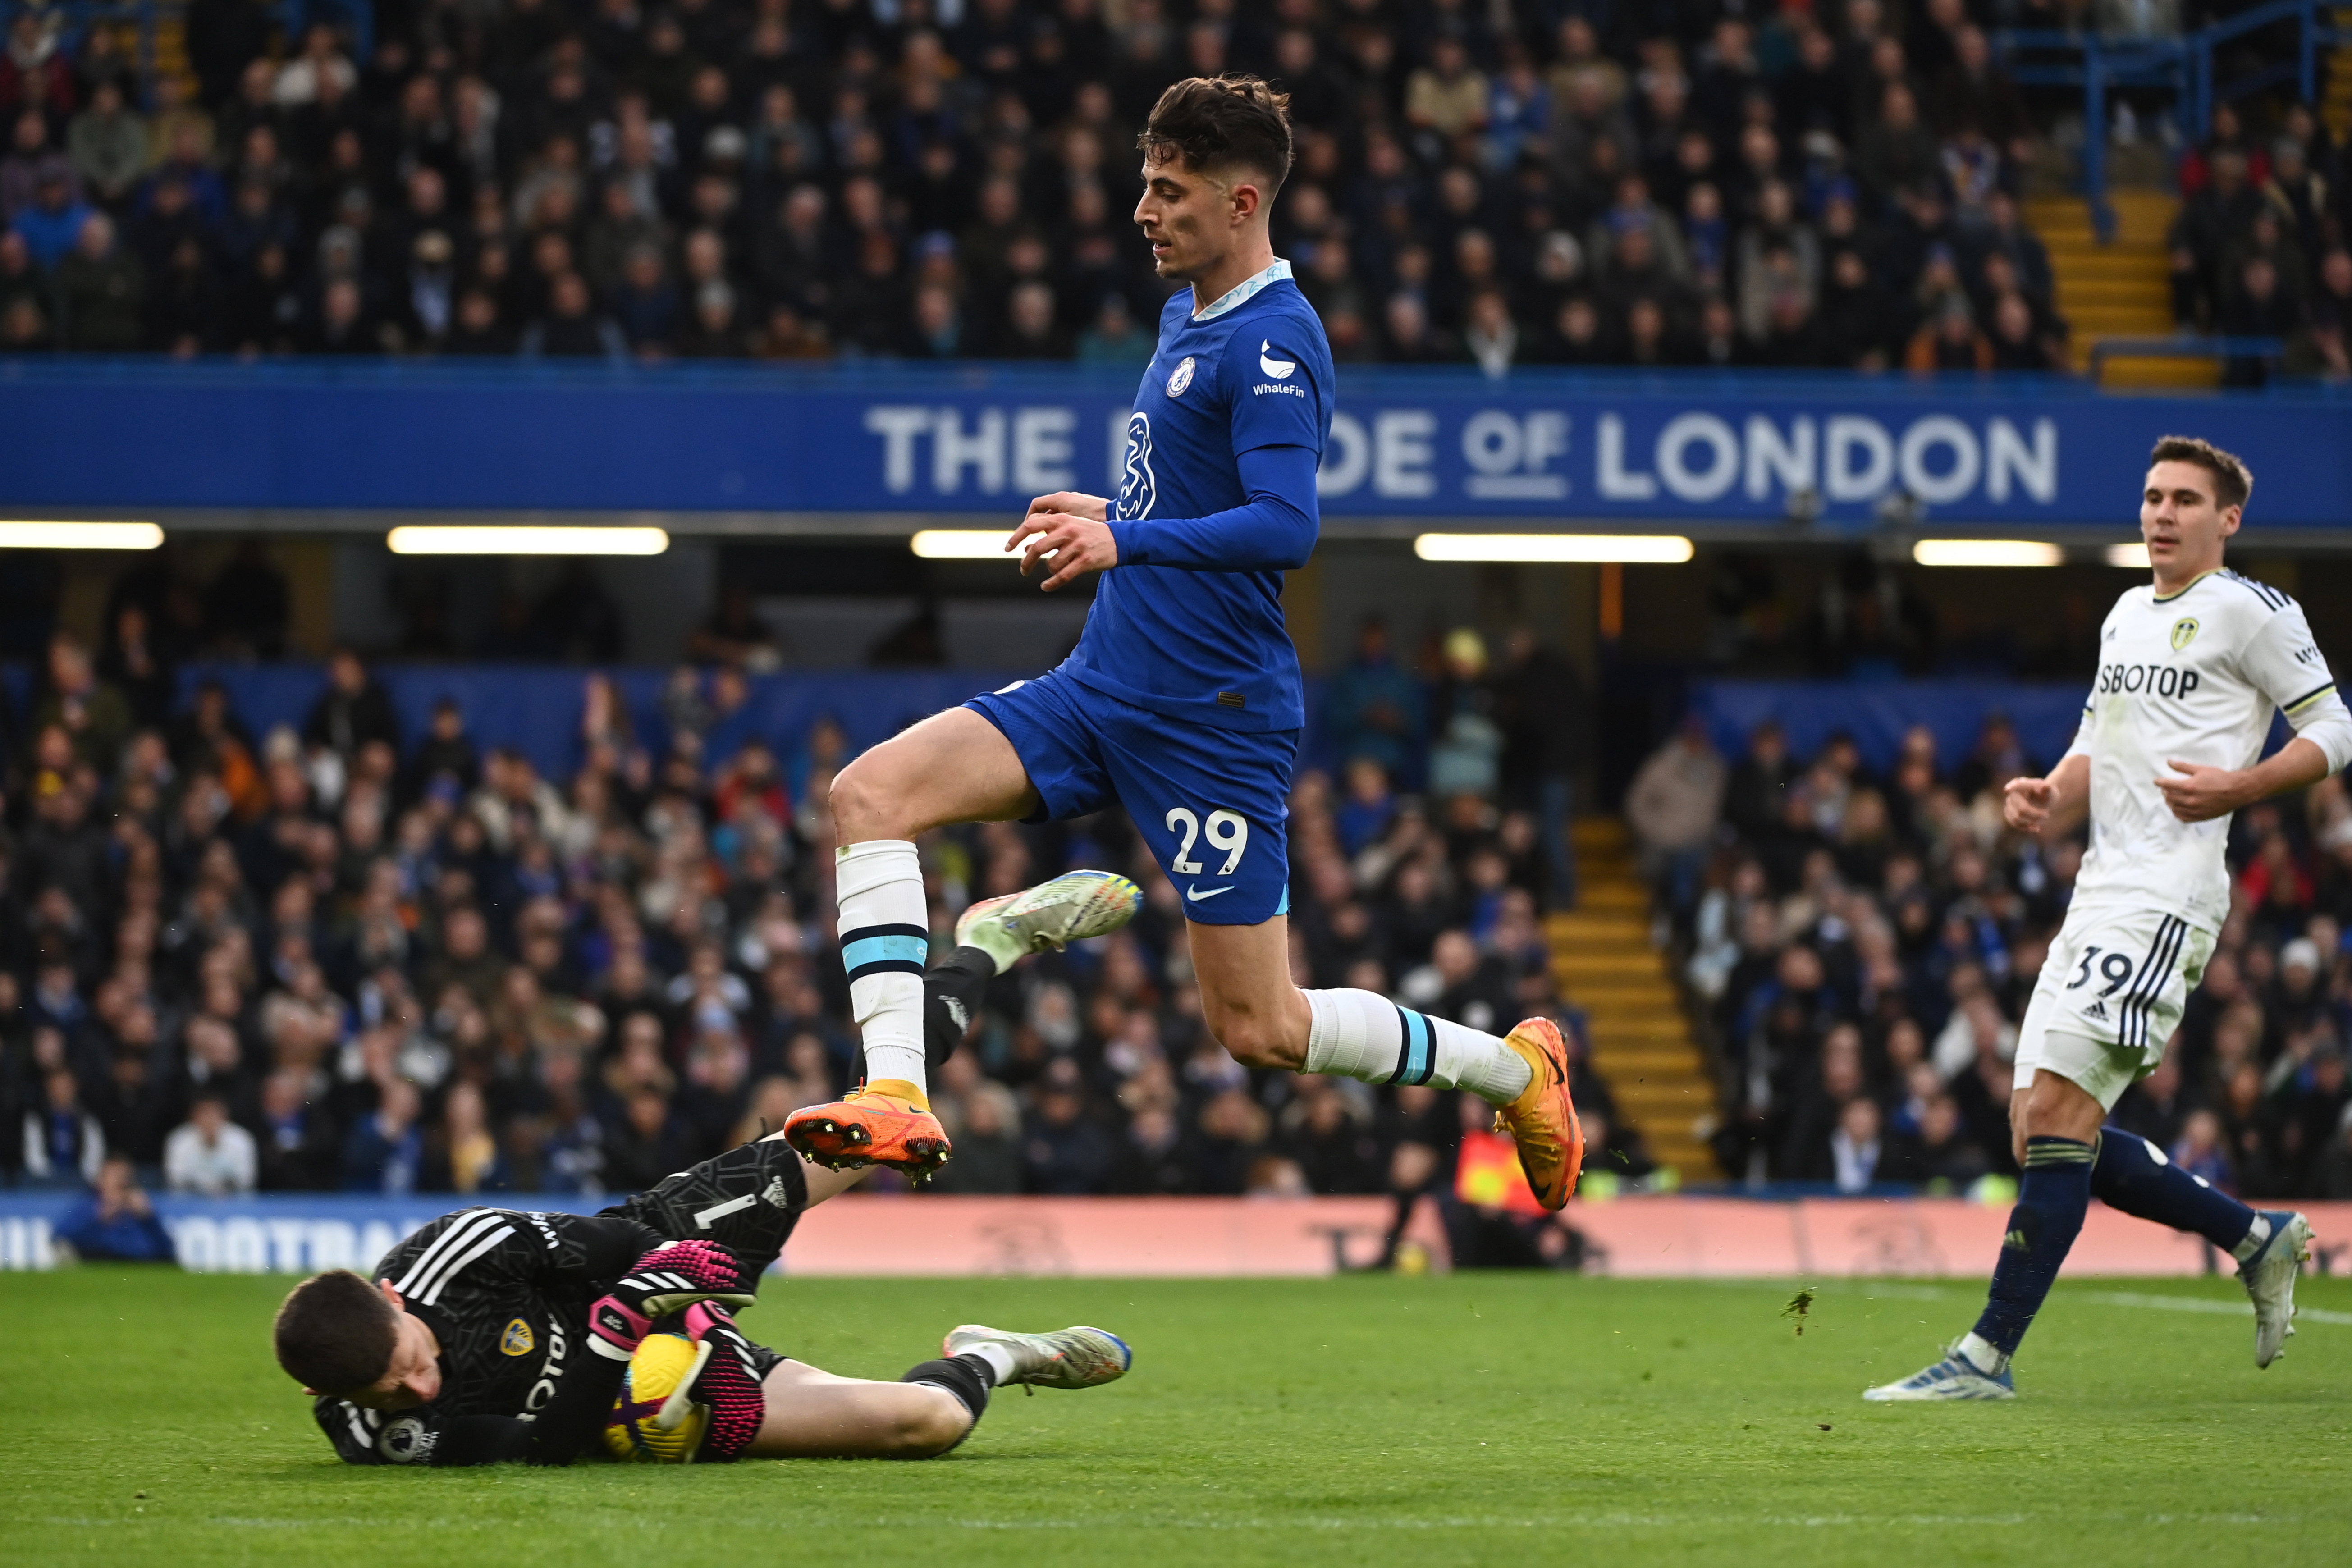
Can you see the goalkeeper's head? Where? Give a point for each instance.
(340, 1336)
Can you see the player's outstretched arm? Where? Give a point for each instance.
(2056, 803)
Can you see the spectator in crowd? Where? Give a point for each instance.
(107, 145)
(208, 1154)
(63, 1144)
(101, 292)
(354, 711)
(1673, 806)
(117, 1223)
(1376, 708)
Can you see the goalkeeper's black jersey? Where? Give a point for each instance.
(506, 1292)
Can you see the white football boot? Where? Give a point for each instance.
(2269, 1277)
(1069, 1358)
(1053, 915)
(1954, 1377)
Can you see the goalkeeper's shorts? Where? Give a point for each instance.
(746, 1200)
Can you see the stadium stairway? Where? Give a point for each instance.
(1642, 1043)
(2118, 290)
(2336, 96)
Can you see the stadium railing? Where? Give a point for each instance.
(2043, 57)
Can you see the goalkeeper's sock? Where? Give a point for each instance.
(2132, 1175)
(2051, 1198)
(951, 992)
(967, 1378)
(886, 940)
(1362, 1035)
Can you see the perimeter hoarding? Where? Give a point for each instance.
(1412, 449)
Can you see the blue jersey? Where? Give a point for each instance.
(1189, 621)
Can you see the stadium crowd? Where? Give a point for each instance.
(2258, 251)
(930, 179)
(347, 957)
(1864, 945)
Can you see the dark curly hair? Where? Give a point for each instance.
(1216, 123)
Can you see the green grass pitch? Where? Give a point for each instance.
(1475, 1419)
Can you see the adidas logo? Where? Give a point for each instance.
(2015, 1242)
(2097, 1009)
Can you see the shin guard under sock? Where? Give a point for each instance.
(2051, 1198)
(1364, 1035)
(2133, 1174)
(885, 941)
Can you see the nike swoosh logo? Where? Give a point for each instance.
(1194, 891)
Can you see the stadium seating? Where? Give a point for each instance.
(723, 180)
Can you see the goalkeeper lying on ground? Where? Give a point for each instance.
(495, 1334)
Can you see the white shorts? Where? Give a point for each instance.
(2111, 995)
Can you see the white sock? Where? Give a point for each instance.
(998, 1358)
(886, 941)
(1362, 1035)
(1981, 1354)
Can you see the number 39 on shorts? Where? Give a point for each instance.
(1225, 830)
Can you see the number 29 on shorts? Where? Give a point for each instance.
(1225, 830)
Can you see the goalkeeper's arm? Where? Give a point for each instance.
(666, 1280)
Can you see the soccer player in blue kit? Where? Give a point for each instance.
(1182, 703)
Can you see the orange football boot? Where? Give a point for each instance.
(1542, 1120)
(886, 1122)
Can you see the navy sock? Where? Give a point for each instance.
(2132, 1175)
(2051, 1200)
(967, 1378)
(951, 992)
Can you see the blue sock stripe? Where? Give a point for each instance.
(1416, 1055)
(884, 950)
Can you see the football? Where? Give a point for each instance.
(656, 1421)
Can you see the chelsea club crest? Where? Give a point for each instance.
(1181, 378)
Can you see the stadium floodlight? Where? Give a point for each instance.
(960, 544)
(36, 535)
(453, 539)
(2131, 557)
(1647, 548)
(1986, 552)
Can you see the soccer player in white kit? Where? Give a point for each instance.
(2191, 668)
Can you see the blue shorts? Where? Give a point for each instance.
(1214, 804)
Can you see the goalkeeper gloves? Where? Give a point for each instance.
(665, 1280)
(727, 1382)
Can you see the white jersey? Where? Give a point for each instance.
(2194, 677)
